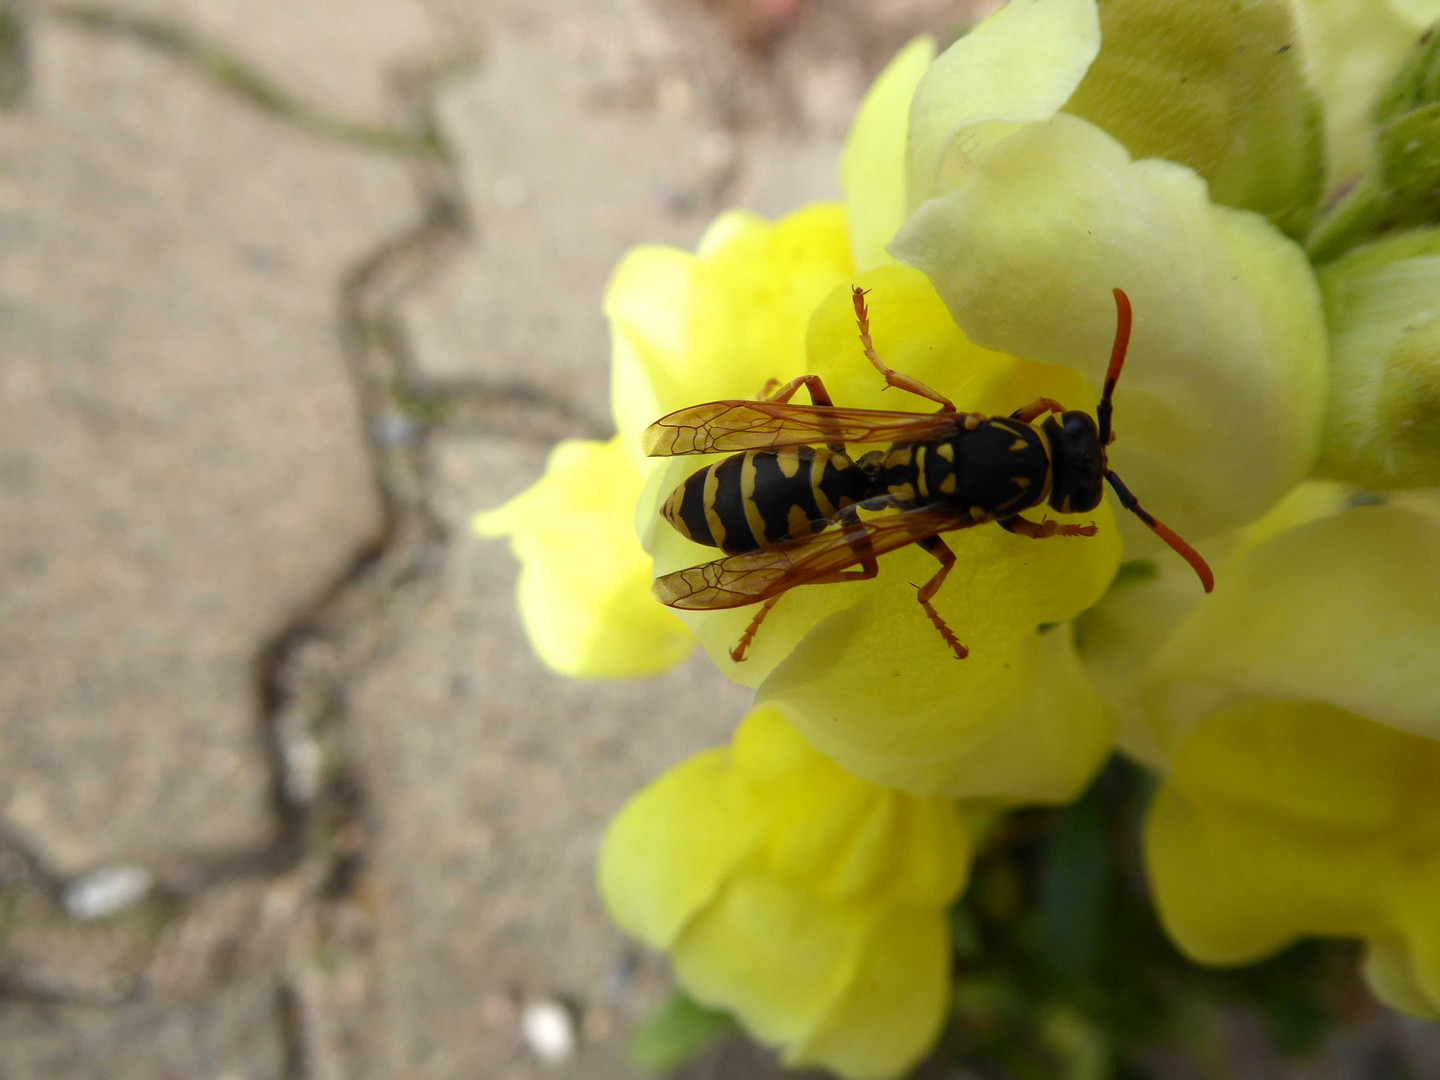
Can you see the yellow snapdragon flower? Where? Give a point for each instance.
(1295, 718)
(1027, 212)
(1024, 218)
(810, 904)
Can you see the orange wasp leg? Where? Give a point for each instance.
(859, 540)
(941, 550)
(1040, 530)
(738, 652)
(1026, 413)
(892, 377)
(818, 394)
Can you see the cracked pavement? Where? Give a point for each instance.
(286, 293)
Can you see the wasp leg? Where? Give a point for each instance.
(738, 652)
(1035, 408)
(1040, 530)
(818, 394)
(941, 550)
(859, 540)
(868, 569)
(892, 377)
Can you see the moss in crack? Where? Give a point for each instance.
(235, 75)
(14, 56)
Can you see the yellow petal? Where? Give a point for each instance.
(872, 166)
(858, 665)
(1050, 747)
(719, 324)
(1121, 635)
(668, 852)
(774, 954)
(1389, 968)
(853, 840)
(1341, 610)
(809, 903)
(1284, 819)
(584, 578)
(1021, 64)
(875, 688)
(648, 303)
(1231, 881)
(1219, 408)
(894, 1006)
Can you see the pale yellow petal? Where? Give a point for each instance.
(772, 953)
(1020, 65)
(584, 589)
(668, 852)
(1218, 410)
(894, 1007)
(1341, 610)
(872, 165)
(1389, 968)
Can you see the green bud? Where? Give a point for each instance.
(1403, 192)
(1382, 427)
(1416, 85)
(1218, 86)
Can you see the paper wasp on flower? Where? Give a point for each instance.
(785, 506)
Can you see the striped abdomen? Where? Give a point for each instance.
(994, 469)
(762, 497)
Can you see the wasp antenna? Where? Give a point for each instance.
(1117, 361)
(1181, 548)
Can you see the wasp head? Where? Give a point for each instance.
(1079, 461)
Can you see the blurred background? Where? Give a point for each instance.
(287, 291)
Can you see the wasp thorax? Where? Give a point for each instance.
(1079, 462)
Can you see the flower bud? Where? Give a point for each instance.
(1382, 428)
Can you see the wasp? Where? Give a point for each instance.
(785, 506)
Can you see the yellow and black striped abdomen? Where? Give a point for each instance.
(762, 497)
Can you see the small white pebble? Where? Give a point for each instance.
(101, 893)
(548, 1028)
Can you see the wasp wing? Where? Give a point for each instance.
(752, 576)
(728, 426)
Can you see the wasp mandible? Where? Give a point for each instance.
(785, 506)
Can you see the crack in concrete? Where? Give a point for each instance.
(317, 797)
(14, 56)
(316, 794)
(234, 74)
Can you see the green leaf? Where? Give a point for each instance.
(1074, 873)
(675, 1033)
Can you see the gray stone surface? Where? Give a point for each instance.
(631, 136)
(182, 467)
(183, 471)
(237, 1032)
(344, 57)
(490, 782)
